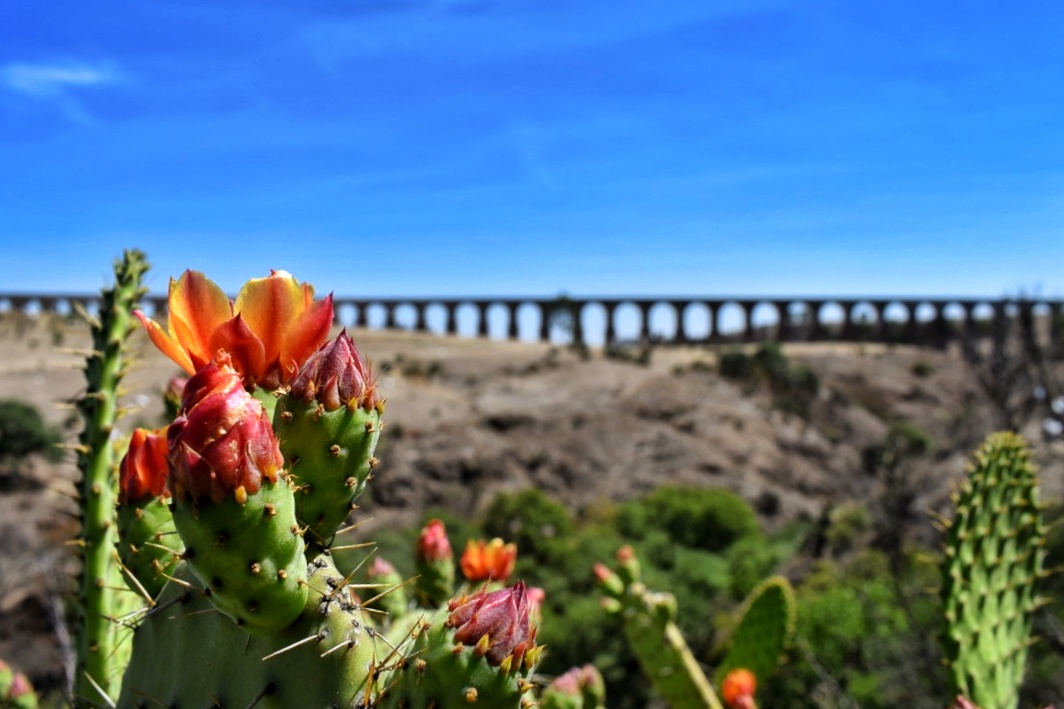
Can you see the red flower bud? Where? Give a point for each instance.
(498, 624)
(142, 472)
(433, 544)
(337, 376)
(488, 561)
(223, 442)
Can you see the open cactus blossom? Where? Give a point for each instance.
(498, 624)
(269, 330)
(223, 443)
(488, 561)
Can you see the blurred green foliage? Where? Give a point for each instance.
(24, 433)
(794, 386)
(868, 623)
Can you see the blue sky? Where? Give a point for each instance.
(464, 147)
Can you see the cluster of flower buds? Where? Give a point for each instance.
(498, 624)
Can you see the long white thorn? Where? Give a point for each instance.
(98, 688)
(309, 639)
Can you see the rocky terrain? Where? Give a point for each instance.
(469, 418)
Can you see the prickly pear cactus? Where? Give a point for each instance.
(649, 625)
(271, 444)
(328, 425)
(100, 639)
(765, 630)
(188, 654)
(993, 560)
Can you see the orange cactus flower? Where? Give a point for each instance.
(271, 328)
(488, 561)
(143, 470)
(738, 689)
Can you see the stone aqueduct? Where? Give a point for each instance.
(667, 320)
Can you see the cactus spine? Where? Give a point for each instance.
(993, 559)
(99, 658)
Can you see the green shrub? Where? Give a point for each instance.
(736, 364)
(532, 520)
(866, 637)
(700, 518)
(922, 368)
(23, 433)
(793, 386)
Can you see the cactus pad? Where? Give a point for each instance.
(993, 559)
(765, 630)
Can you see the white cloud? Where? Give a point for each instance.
(54, 79)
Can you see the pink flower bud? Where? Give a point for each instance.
(223, 442)
(20, 687)
(432, 544)
(498, 624)
(580, 680)
(488, 561)
(337, 376)
(142, 472)
(380, 568)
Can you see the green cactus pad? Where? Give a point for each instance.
(443, 676)
(765, 630)
(435, 581)
(993, 559)
(187, 655)
(649, 626)
(148, 543)
(329, 455)
(250, 555)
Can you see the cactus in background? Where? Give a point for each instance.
(16, 692)
(765, 630)
(649, 625)
(434, 584)
(993, 559)
(578, 688)
(101, 602)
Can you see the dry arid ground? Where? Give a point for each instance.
(469, 418)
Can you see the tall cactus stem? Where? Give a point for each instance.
(99, 661)
(994, 558)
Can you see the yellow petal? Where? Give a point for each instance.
(270, 306)
(197, 306)
(306, 335)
